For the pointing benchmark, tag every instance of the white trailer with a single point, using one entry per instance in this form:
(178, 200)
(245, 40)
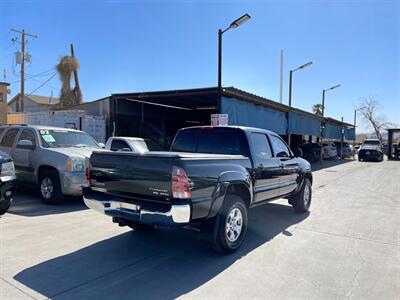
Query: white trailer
(74, 119)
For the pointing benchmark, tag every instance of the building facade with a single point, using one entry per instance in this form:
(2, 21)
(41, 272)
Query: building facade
(33, 103)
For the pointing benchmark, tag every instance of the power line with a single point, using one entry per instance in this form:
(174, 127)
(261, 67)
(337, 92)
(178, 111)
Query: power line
(55, 73)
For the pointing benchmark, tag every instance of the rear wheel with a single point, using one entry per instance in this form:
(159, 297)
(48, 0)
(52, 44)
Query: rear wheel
(302, 200)
(49, 187)
(231, 225)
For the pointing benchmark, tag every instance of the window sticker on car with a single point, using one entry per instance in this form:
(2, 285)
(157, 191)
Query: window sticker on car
(44, 131)
(48, 138)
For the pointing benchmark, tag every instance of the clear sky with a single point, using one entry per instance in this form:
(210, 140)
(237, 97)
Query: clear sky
(130, 46)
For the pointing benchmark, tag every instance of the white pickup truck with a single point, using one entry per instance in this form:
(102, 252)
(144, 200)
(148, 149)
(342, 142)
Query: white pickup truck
(131, 144)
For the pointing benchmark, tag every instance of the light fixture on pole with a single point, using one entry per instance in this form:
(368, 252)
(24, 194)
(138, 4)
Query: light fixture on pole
(323, 113)
(290, 90)
(234, 24)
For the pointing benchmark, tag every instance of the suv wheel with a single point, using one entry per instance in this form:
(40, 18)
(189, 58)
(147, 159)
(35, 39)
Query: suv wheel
(49, 187)
(231, 225)
(302, 200)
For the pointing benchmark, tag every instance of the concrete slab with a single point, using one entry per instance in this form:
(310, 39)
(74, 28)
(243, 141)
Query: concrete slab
(347, 247)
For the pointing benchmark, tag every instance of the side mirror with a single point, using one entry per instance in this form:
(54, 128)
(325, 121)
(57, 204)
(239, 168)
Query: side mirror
(101, 145)
(25, 144)
(297, 152)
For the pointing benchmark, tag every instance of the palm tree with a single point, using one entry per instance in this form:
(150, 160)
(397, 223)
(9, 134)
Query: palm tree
(317, 109)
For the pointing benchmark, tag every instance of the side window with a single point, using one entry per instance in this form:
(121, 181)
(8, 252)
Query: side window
(280, 148)
(117, 145)
(9, 137)
(28, 135)
(1, 131)
(185, 142)
(261, 145)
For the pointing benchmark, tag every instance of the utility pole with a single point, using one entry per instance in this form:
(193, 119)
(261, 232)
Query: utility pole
(20, 101)
(77, 88)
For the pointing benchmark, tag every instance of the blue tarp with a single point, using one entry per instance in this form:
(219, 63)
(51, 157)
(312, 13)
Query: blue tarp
(350, 133)
(249, 114)
(332, 131)
(303, 125)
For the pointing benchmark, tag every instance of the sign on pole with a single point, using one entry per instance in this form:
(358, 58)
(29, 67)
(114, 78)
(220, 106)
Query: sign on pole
(219, 119)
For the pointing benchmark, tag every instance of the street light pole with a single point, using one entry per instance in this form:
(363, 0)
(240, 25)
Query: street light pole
(219, 59)
(290, 93)
(234, 24)
(323, 119)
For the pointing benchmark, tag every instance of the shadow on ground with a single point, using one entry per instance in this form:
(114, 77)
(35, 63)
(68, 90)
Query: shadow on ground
(27, 203)
(165, 263)
(329, 163)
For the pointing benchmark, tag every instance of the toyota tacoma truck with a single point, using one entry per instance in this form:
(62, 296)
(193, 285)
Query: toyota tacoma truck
(208, 180)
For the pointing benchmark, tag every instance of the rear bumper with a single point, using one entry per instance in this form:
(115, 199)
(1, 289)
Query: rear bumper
(369, 154)
(170, 215)
(7, 188)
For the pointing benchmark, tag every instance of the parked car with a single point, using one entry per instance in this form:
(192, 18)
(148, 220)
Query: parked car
(330, 151)
(208, 180)
(311, 152)
(347, 152)
(7, 182)
(371, 149)
(132, 144)
(52, 158)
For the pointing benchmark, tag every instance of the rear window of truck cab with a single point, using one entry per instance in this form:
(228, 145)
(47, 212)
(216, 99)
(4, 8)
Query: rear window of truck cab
(208, 140)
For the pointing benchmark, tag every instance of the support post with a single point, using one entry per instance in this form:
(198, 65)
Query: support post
(341, 142)
(290, 106)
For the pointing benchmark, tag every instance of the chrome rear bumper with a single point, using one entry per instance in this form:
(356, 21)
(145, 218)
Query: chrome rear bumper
(176, 215)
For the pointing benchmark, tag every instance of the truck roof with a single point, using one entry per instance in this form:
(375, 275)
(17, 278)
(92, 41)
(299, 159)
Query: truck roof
(244, 128)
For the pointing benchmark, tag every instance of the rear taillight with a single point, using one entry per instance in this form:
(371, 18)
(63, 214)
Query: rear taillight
(180, 184)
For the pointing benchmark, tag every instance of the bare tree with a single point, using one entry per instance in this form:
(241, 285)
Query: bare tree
(369, 109)
(317, 109)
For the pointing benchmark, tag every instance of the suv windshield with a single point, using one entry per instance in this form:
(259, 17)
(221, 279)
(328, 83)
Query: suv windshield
(65, 138)
(375, 143)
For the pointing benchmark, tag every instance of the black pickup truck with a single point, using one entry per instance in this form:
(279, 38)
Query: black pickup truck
(208, 180)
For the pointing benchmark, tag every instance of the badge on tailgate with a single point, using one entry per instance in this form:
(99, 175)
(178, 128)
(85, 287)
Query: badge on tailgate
(159, 192)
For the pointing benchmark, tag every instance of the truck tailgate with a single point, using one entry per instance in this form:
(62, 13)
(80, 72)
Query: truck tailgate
(138, 176)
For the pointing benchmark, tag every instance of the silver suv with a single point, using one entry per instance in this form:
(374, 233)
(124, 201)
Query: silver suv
(52, 158)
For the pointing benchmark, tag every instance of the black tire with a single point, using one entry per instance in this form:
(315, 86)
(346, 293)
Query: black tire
(140, 227)
(302, 200)
(4, 207)
(228, 242)
(380, 158)
(49, 188)
(359, 159)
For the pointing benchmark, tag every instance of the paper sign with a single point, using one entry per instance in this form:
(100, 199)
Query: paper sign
(48, 138)
(219, 119)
